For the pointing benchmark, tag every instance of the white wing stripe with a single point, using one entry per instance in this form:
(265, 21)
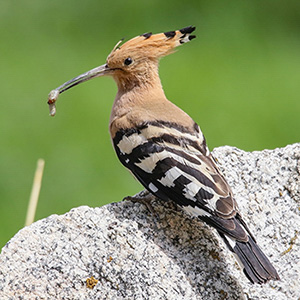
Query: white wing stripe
(128, 143)
(152, 187)
(191, 190)
(195, 211)
(170, 176)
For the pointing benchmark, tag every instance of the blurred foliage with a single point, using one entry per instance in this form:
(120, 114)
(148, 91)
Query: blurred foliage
(239, 80)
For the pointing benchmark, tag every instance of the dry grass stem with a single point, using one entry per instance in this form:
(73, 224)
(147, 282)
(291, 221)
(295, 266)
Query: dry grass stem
(35, 191)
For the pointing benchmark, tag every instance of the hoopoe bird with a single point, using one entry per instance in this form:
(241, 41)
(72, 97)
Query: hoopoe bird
(165, 149)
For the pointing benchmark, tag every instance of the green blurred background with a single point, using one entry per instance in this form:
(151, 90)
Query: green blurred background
(240, 80)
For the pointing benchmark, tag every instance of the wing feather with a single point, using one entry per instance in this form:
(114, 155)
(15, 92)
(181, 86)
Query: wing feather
(177, 168)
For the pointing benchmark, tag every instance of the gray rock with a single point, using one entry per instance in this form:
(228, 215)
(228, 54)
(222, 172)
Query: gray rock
(137, 255)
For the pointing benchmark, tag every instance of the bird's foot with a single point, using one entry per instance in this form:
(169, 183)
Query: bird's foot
(144, 197)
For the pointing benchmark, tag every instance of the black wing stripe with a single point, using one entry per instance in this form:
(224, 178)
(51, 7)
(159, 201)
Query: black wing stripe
(128, 132)
(148, 149)
(193, 159)
(162, 167)
(199, 176)
(171, 125)
(203, 194)
(143, 151)
(183, 142)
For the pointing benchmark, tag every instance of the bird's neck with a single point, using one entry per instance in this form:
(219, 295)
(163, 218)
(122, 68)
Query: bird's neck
(142, 99)
(137, 93)
(139, 87)
(144, 77)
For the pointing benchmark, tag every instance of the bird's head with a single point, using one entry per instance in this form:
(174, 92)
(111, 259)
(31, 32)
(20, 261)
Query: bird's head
(134, 62)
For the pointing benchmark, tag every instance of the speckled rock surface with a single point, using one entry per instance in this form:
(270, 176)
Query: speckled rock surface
(136, 255)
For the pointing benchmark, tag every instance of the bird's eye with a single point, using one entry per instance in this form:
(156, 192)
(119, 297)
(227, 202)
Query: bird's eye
(127, 61)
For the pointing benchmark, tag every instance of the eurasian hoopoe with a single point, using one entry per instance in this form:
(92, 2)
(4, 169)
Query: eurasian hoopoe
(165, 149)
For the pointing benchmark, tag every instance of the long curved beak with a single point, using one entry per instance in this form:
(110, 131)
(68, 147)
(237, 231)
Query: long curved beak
(53, 95)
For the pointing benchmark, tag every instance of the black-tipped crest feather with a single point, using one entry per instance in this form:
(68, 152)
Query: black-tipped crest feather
(188, 29)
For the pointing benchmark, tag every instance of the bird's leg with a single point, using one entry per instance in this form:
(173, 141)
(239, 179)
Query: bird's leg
(144, 197)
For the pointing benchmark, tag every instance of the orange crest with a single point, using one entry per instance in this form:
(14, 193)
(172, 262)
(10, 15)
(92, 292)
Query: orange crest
(151, 46)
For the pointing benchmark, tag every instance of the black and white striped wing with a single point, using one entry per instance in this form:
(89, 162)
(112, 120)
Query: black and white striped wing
(174, 164)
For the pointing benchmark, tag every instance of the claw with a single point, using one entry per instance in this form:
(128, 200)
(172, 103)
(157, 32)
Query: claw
(144, 197)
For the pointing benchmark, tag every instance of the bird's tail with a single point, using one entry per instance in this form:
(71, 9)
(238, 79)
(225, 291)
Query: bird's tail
(255, 264)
